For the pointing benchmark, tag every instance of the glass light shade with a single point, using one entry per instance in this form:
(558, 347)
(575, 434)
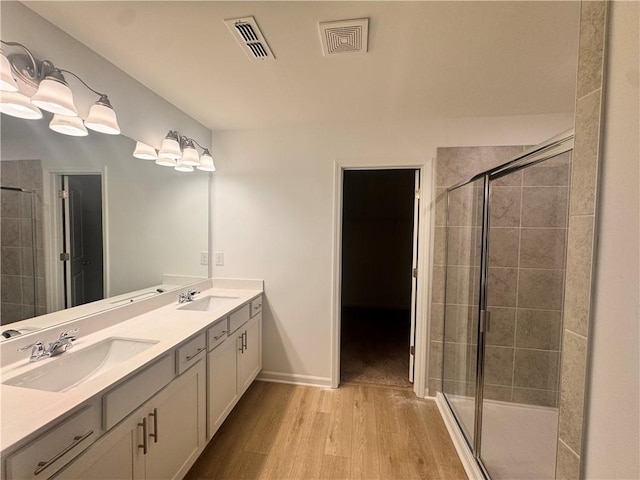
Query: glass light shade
(181, 167)
(68, 125)
(102, 119)
(190, 157)
(206, 163)
(7, 82)
(145, 152)
(55, 97)
(18, 105)
(170, 149)
(166, 161)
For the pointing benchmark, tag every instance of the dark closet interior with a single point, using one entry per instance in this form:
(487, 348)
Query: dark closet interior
(377, 250)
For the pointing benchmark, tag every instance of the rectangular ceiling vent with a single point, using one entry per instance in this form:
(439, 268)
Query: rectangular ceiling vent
(344, 36)
(246, 32)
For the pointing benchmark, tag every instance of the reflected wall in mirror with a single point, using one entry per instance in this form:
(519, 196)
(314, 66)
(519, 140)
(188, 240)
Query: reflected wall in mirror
(149, 223)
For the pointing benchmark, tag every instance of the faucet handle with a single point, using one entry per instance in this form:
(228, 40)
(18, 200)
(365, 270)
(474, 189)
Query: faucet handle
(35, 345)
(68, 334)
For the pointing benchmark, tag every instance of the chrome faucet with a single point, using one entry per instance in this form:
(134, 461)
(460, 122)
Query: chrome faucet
(187, 296)
(61, 345)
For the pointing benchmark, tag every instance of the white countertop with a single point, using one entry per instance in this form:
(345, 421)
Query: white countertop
(27, 411)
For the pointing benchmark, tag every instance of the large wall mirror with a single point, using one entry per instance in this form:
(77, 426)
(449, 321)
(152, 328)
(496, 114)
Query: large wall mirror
(86, 227)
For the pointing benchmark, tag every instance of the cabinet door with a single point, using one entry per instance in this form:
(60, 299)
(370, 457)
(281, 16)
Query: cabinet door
(177, 425)
(223, 391)
(115, 456)
(250, 353)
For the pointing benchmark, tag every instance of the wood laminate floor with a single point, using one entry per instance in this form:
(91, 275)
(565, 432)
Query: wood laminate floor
(280, 431)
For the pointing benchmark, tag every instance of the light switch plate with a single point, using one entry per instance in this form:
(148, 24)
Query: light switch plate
(204, 258)
(219, 259)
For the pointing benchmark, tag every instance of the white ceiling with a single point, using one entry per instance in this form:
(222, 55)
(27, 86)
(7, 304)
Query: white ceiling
(426, 59)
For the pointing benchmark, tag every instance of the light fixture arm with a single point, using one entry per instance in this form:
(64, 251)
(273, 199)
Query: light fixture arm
(101, 95)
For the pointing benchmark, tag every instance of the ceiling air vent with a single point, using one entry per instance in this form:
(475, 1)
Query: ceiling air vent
(344, 36)
(246, 32)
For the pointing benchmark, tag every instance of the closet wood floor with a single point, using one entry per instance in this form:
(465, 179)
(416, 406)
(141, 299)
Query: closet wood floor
(280, 431)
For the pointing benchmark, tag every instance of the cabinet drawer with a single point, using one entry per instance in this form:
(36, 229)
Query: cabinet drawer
(187, 354)
(125, 398)
(239, 318)
(256, 305)
(56, 447)
(218, 333)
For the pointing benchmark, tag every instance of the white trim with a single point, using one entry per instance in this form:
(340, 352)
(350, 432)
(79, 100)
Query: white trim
(294, 379)
(424, 257)
(428, 226)
(464, 453)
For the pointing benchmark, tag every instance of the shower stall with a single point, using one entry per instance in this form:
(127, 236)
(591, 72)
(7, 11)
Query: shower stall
(505, 250)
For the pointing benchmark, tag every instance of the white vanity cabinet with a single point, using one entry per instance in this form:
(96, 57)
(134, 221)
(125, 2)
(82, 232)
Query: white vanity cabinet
(233, 363)
(160, 440)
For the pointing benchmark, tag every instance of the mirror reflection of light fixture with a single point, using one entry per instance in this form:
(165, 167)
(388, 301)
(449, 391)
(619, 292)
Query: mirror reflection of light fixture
(68, 125)
(145, 152)
(206, 162)
(177, 151)
(52, 92)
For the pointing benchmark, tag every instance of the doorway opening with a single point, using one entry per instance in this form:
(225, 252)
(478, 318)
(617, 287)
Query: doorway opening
(82, 240)
(378, 276)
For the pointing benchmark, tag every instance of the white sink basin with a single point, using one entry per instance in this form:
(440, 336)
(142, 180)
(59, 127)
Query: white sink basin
(208, 303)
(64, 372)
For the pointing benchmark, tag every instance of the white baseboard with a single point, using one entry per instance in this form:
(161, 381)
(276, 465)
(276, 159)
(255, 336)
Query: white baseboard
(294, 379)
(466, 457)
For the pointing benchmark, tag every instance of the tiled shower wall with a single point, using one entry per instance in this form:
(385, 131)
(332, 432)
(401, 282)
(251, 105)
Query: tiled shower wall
(19, 299)
(528, 218)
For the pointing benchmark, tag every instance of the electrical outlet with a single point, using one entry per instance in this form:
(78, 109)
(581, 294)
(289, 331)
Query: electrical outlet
(204, 258)
(219, 259)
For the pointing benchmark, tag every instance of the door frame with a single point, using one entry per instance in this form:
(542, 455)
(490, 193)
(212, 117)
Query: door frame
(424, 253)
(54, 243)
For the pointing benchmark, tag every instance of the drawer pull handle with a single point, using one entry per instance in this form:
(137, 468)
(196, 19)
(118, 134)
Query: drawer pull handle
(191, 357)
(222, 334)
(255, 307)
(154, 435)
(143, 424)
(76, 440)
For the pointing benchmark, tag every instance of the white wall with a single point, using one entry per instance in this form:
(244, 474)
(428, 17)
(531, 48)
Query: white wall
(613, 410)
(272, 211)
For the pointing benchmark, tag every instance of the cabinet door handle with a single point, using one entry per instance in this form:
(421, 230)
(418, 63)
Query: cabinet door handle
(222, 334)
(154, 435)
(143, 424)
(190, 357)
(76, 440)
(244, 336)
(241, 349)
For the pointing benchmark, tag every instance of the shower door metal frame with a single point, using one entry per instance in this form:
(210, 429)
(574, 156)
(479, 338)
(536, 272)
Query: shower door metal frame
(551, 148)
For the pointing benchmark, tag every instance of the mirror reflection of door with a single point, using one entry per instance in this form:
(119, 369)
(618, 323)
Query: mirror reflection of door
(83, 239)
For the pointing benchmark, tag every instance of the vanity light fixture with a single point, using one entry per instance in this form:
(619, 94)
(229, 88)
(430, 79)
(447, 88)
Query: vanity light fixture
(68, 125)
(145, 152)
(177, 151)
(52, 92)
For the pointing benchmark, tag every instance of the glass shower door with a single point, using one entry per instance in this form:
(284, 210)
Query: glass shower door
(528, 219)
(463, 256)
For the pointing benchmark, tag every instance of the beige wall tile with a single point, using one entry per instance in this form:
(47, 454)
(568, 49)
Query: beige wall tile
(585, 155)
(435, 359)
(544, 206)
(441, 207)
(536, 369)
(456, 164)
(30, 174)
(435, 386)
(502, 327)
(504, 210)
(439, 257)
(436, 321)
(577, 300)
(458, 359)
(503, 247)
(540, 329)
(502, 287)
(9, 204)
(9, 174)
(544, 175)
(497, 392)
(498, 369)
(543, 247)
(437, 284)
(10, 312)
(461, 207)
(11, 288)
(461, 247)
(458, 326)
(540, 289)
(460, 289)
(26, 260)
(591, 48)
(572, 389)
(567, 464)
(511, 180)
(530, 396)
(10, 234)
(11, 261)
